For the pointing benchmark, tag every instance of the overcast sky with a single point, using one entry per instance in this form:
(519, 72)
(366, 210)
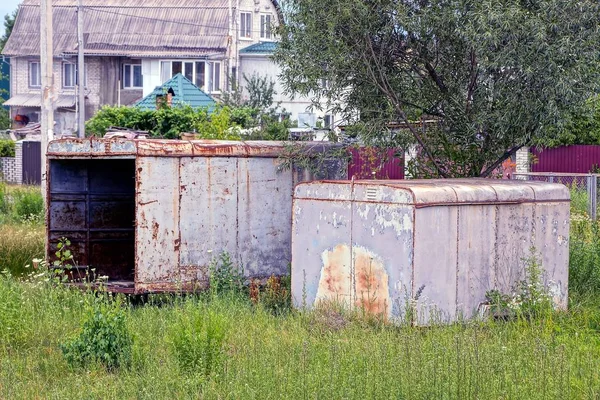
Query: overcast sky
(7, 7)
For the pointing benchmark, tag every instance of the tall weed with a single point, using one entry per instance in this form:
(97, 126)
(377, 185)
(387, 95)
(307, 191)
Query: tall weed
(197, 338)
(584, 259)
(19, 244)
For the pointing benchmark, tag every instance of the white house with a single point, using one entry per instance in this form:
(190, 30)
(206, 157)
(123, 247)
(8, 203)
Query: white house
(133, 46)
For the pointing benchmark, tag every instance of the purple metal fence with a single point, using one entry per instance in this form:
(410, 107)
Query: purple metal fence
(372, 163)
(574, 159)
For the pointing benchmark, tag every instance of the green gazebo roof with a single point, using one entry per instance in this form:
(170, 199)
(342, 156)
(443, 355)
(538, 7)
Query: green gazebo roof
(185, 93)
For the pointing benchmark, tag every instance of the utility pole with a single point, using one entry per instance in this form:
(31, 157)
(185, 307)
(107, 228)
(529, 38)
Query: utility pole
(46, 64)
(80, 72)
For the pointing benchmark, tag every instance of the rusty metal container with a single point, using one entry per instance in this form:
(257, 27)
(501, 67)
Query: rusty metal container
(429, 247)
(151, 214)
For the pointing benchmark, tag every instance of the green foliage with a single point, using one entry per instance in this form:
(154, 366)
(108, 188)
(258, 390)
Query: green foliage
(9, 23)
(124, 117)
(197, 338)
(167, 122)
(19, 244)
(7, 147)
(104, 338)
(581, 126)
(225, 277)
(261, 90)
(584, 260)
(491, 75)
(276, 296)
(5, 122)
(28, 204)
(243, 116)
(21, 204)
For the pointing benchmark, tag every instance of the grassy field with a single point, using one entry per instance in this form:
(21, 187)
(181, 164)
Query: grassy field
(65, 344)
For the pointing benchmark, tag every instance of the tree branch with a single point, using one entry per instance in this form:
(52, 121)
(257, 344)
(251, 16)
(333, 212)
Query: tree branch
(499, 161)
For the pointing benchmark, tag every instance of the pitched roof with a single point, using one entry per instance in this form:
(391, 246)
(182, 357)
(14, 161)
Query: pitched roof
(260, 48)
(182, 28)
(185, 93)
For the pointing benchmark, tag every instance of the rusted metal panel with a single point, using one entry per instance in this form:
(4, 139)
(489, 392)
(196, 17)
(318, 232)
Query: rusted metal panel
(208, 213)
(433, 248)
(157, 221)
(91, 202)
(92, 147)
(434, 269)
(321, 266)
(551, 229)
(475, 265)
(264, 215)
(190, 201)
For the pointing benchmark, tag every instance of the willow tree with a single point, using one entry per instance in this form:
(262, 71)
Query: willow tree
(493, 75)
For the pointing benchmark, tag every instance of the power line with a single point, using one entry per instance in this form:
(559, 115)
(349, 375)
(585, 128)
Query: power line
(164, 20)
(103, 9)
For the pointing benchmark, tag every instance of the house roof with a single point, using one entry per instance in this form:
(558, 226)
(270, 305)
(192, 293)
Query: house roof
(185, 93)
(35, 100)
(140, 28)
(260, 48)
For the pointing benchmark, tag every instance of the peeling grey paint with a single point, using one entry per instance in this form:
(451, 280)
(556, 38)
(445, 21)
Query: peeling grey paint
(453, 239)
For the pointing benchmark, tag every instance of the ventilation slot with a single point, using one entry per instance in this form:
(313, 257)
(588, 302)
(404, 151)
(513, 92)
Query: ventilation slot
(372, 194)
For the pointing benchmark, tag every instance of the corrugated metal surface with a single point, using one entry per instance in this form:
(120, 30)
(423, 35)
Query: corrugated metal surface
(32, 163)
(125, 30)
(574, 159)
(35, 100)
(193, 200)
(370, 163)
(440, 245)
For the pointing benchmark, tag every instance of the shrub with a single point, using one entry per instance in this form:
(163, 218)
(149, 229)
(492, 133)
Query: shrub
(197, 339)
(104, 338)
(225, 277)
(7, 148)
(28, 203)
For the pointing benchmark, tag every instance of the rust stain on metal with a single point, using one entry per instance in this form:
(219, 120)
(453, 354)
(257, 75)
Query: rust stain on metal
(372, 290)
(155, 228)
(371, 282)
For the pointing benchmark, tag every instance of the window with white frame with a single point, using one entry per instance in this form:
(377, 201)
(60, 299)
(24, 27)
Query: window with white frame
(328, 121)
(69, 75)
(132, 76)
(246, 25)
(265, 26)
(35, 74)
(193, 70)
(215, 77)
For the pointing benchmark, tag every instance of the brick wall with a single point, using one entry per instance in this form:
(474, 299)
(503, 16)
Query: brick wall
(522, 160)
(11, 168)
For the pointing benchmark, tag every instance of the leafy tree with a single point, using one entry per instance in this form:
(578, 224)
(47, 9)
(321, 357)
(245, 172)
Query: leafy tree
(261, 90)
(9, 23)
(582, 126)
(492, 75)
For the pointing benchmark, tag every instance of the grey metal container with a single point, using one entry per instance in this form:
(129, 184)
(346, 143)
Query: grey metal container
(434, 247)
(152, 214)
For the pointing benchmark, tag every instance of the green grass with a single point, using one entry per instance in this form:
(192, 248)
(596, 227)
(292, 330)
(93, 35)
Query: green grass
(296, 355)
(20, 203)
(218, 346)
(19, 244)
